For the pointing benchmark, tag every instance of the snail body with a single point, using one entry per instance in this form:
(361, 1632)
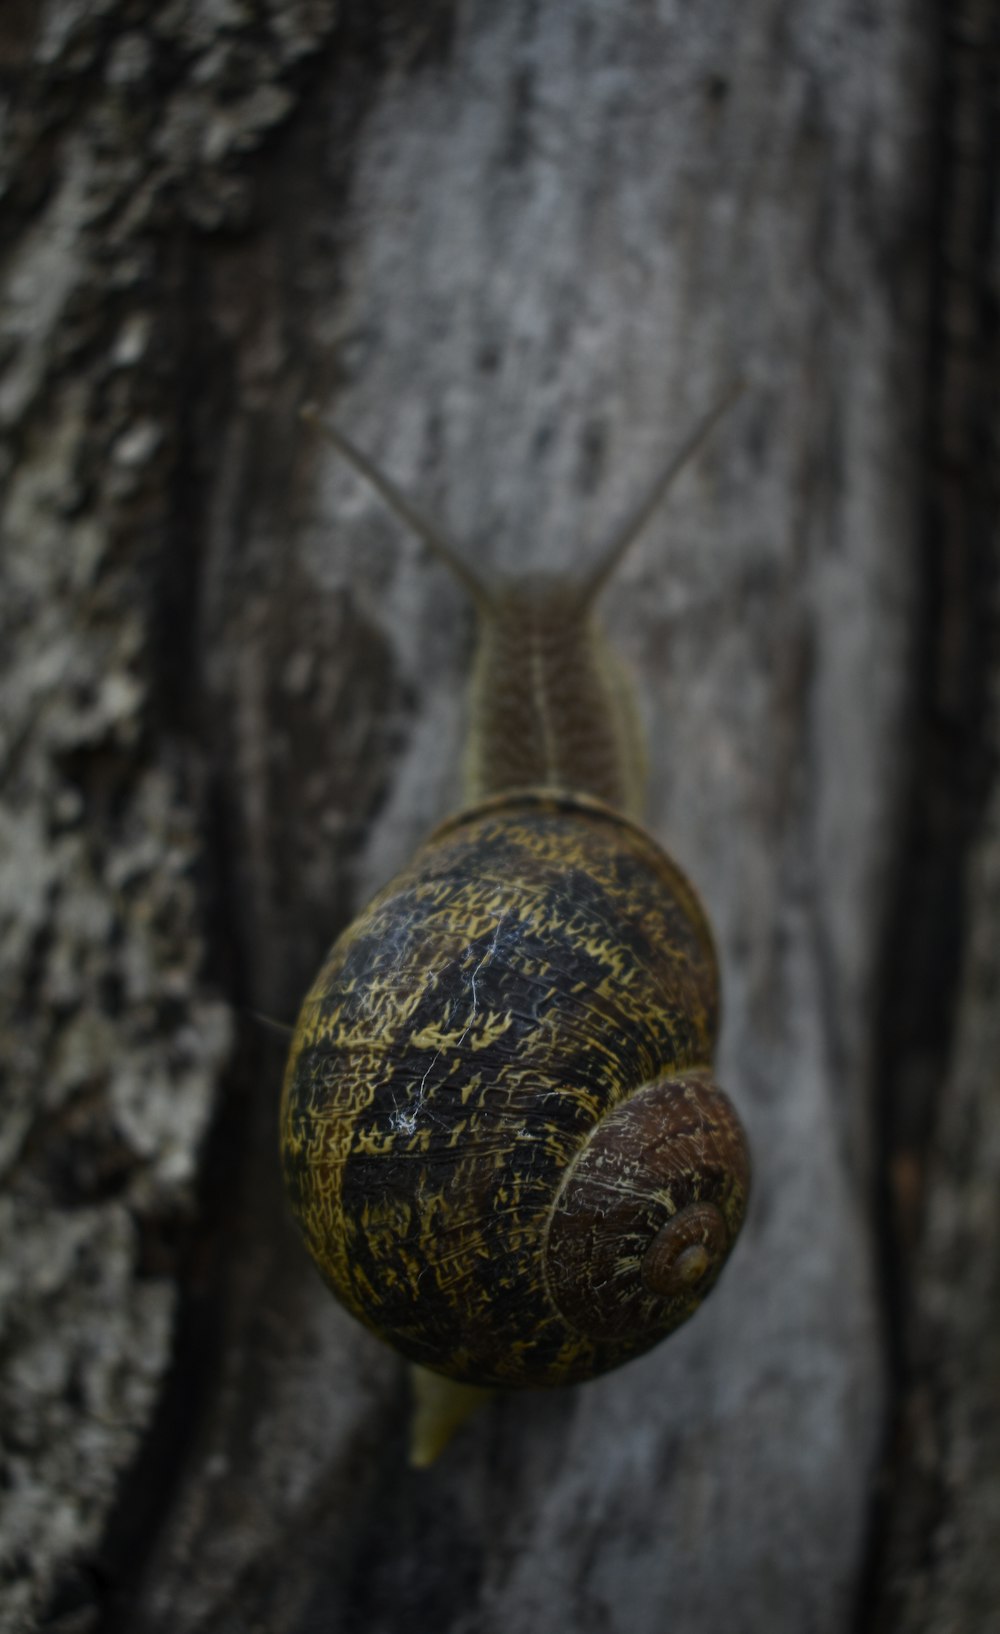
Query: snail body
(500, 1134)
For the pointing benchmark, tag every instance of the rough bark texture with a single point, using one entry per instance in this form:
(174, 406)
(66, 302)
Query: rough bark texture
(935, 1564)
(516, 250)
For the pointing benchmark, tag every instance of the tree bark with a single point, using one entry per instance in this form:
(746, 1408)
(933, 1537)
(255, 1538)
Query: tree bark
(516, 252)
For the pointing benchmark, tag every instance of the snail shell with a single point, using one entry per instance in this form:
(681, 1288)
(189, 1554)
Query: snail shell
(500, 1135)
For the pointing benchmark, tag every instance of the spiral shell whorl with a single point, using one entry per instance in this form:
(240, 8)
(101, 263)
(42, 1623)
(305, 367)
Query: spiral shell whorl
(648, 1211)
(500, 1004)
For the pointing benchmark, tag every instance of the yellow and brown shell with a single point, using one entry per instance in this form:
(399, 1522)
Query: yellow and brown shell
(500, 1136)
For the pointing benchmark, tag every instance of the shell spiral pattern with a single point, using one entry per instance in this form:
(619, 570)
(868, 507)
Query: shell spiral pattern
(499, 1132)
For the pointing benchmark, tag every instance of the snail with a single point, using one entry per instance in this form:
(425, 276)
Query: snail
(500, 1135)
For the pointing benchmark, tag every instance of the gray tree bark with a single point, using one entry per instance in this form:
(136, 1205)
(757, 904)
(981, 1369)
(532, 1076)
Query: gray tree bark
(515, 251)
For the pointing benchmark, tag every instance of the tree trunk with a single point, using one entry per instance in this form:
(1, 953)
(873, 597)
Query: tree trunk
(516, 252)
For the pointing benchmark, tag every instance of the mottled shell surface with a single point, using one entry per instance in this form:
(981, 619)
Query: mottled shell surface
(499, 1132)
